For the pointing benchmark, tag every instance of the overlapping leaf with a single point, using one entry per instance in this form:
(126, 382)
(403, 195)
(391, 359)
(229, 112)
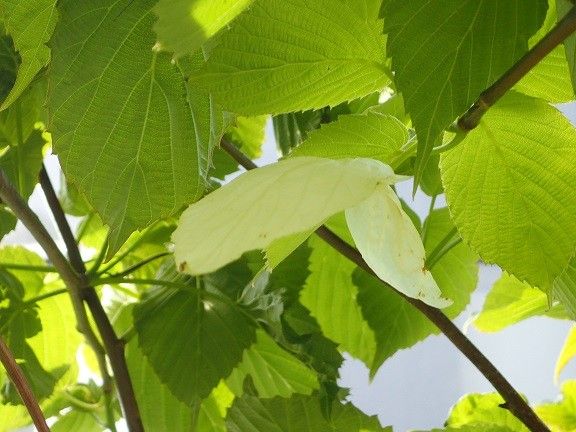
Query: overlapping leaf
(373, 135)
(445, 53)
(509, 189)
(274, 371)
(184, 25)
(328, 293)
(30, 23)
(282, 56)
(119, 117)
(395, 322)
(510, 301)
(297, 414)
(183, 332)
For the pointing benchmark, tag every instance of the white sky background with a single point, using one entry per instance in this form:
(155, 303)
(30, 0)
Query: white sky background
(416, 387)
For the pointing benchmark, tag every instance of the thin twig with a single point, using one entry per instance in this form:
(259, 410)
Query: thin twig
(19, 380)
(140, 264)
(565, 27)
(76, 283)
(83, 292)
(514, 402)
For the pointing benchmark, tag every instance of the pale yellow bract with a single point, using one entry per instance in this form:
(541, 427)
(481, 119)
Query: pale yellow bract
(297, 195)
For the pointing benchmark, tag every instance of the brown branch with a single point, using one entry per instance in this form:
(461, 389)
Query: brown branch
(79, 290)
(565, 27)
(78, 295)
(514, 402)
(114, 347)
(19, 380)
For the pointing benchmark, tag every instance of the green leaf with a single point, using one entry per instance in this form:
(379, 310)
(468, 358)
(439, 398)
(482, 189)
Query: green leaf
(184, 25)
(143, 161)
(563, 7)
(30, 23)
(395, 322)
(248, 133)
(291, 129)
(561, 416)
(7, 221)
(13, 417)
(161, 410)
(182, 333)
(483, 409)
(32, 281)
(22, 163)
(567, 354)
(274, 371)
(77, 421)
(379, 222)
(9, 62)
(510, 301)
(444, 56)
(297, 414)
(373, 135)
(285, 198)
(329, 293)
(289, 56)
(549, 79)
(516, 163)
(564, 288)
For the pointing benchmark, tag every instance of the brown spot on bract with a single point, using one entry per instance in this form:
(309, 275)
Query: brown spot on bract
(182, 266)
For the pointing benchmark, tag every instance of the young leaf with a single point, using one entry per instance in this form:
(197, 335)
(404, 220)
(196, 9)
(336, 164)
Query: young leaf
(510, 301)
(567, 354)
(182, 333)
(30, 23)
(297, 414)
(560, 416)
(482, 410)
(373, 135)
(274, 371)
(184, 25)
(284, 56)
(22, 163)
(444, 54)
(121, 124)
(517, 163)
(391, 245)
(564, 288)
(285, 198)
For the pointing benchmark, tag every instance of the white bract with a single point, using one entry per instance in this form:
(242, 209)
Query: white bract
(392, 247)
(297, 195)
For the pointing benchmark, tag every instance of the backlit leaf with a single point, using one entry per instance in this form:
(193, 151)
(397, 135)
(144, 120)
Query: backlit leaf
(274, 371)
(297, 414)
(510, 191)
(510, 301)
(121, 124)
(282, 56)
(184, 25)
(445, 54)
(30, 23)
(373, 135)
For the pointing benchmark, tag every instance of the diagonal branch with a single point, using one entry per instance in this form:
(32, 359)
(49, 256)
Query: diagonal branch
(77, 263)
(565, 27)
(21, 384)
(514, 402)
(79, 291)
